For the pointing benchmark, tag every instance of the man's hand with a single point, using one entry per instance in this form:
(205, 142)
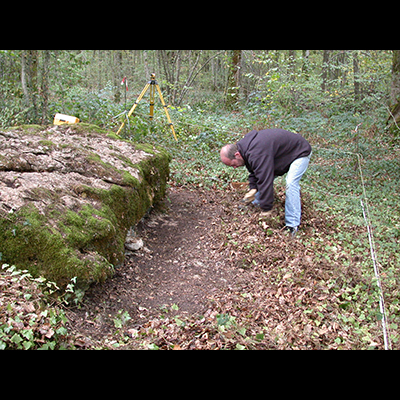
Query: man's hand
(250, 196)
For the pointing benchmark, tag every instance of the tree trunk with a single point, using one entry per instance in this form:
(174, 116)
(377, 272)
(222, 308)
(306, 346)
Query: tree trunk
(232, 95)
(292, 64)
(167, 58)
(393, 121)
(357, 83)
(33, 82)
(325, 70)
(177, 73)
(24, 67)
(45, 86)
(305, 68)
(29, 75)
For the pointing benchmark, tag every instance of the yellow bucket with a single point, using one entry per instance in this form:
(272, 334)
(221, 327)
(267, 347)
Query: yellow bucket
(61, 119)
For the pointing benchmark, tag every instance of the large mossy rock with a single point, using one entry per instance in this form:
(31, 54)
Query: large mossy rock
(69, 195)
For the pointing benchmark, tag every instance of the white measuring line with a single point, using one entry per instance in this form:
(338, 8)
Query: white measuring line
(378, 279)
(367, 218)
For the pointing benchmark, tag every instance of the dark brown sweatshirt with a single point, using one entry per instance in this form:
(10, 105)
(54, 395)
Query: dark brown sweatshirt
(267, 154)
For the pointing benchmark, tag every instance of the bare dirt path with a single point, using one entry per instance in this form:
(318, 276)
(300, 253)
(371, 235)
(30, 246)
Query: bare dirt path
(180, 266)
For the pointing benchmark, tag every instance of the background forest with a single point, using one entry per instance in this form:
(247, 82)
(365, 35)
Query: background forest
(35, 84)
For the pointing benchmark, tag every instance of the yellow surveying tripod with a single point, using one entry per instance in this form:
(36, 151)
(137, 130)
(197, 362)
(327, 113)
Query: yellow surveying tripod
(153, 85)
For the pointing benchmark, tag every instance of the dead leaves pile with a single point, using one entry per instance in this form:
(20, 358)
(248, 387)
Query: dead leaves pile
(27, 321)
(289, 294)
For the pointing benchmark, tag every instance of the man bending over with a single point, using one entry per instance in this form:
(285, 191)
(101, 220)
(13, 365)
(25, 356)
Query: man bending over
(267, 154)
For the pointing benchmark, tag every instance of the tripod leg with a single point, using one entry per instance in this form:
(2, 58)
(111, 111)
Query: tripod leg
(152, 100)
(120, 129)
(166, 111)
(134, 107)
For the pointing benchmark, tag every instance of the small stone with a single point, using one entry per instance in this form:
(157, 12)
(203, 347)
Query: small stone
(134, 244)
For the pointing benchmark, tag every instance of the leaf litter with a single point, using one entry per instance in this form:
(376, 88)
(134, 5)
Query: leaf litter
(213, 275)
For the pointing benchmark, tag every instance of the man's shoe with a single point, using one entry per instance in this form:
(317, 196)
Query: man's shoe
(292, 231)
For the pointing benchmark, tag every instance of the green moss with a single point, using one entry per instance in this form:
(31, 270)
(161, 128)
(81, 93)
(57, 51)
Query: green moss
(29, 129)
(94, 231)
(154, 168)
(148, 148)
(27, 240)
(129, 180)
(112, 135)
(47, 143)
(86, 226)
(127, 162)
(106, 169)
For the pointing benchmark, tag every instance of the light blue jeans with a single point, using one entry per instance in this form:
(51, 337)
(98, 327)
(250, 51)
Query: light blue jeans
(293, 201)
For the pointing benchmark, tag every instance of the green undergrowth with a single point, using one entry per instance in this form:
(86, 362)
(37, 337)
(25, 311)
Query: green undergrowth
(30, 319)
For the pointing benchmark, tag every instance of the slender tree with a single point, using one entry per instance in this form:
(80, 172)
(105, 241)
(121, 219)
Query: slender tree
(325, 70)
(357, 83)
(45, 85)
(394, 118)
(234, 65)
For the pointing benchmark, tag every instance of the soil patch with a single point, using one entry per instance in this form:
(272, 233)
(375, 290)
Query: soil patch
(179, 264)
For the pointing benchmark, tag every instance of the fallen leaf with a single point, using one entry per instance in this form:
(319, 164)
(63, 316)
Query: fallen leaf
(29, 308)
(49, 334)
(44, 329)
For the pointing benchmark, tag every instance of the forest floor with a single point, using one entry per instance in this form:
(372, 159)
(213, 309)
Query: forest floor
(212, 275)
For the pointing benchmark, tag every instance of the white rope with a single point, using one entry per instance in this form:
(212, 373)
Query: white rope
(378, 279)
(367, 218)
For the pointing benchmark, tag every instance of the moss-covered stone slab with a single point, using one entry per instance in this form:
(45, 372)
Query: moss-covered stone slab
(68, 197)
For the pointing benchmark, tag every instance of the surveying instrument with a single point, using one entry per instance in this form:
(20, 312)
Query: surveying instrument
(152, 85)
